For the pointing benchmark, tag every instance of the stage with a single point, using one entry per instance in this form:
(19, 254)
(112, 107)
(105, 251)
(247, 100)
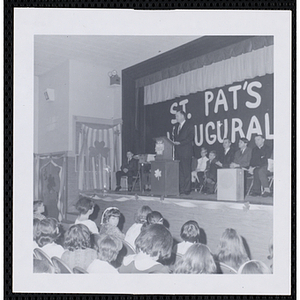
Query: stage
(253, 218)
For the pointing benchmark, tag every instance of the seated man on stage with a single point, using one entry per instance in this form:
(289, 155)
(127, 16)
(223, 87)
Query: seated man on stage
(227, 156)
(259, 167)
(242, 156)
(210, 173)
(198, 174)
(128, 169)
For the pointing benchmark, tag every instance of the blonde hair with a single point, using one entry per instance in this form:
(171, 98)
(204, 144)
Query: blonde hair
(254, 267)
(197, 260)
(231, 249)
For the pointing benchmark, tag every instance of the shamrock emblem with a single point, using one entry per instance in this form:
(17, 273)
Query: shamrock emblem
(157, 174)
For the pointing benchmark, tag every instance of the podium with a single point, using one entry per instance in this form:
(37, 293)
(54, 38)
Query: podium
(231, 184)
(164, 170)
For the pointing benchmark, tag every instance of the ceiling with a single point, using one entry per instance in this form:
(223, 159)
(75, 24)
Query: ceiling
(115, 52)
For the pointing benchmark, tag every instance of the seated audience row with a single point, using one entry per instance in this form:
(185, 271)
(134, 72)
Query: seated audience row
(102, 252)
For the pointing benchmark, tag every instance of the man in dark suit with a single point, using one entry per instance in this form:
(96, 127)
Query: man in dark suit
(129, 169)
(227, 156)
(183, 137)
(242, 156)
(211, 173)
(259, 167)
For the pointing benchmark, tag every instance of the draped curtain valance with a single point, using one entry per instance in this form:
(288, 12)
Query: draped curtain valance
(245, 66)
(233, 50)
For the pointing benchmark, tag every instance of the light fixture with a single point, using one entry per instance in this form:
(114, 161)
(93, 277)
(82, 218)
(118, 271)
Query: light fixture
(114, 78)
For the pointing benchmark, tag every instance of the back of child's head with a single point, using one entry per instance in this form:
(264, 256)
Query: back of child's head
(141, 215)
(155, 240)
(84, 204)
(36, 228)
(231, 248)
(110, 211)
(48, 231)
(254, 267)
(108, 247)
(42, 266)
(36, 205)
(78, 236)
(190, 232)
(155, 217)
(198, 259)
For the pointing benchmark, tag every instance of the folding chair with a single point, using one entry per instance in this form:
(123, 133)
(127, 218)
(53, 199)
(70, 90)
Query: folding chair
(60, 266)
(78, 270)
(137, 179)
(40, 254)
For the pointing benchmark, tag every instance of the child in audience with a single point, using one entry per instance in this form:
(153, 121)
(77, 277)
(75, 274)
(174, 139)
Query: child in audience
(78, 247)
(36, 224)
(108, 248)
(155, 217)
(85, 207)
(135, 229)
(254, 267)
(109, 222)
(197, 260)
(47, 235)
(231, 249)
(153, 243)
(190, 233)
(38, 210)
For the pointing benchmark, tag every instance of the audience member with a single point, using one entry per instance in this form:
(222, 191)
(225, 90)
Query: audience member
(109, 222)
(155, 217)
(227, 156)
(242, 156)
(140, 218)
(38, 210)
(129, 169)
(210, 173)
(47, 235)
(198, 173)
(85, 207)
(36, 225)
(197, 260)
(259, 167)
(254, 267)
(78, 247)
(190, 233)
(152, 244)
(270, 256)
(231, 249)
(108, 248)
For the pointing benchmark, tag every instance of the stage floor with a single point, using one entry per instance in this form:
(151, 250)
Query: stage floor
(199, 196)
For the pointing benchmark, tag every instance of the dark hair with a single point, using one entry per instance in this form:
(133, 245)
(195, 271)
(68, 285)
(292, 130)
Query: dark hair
(256, 135)
(84, 204)
(37, 204)
(244, 140)
(155, 240)
(154, 217)
(108, 247)
(183, 113)
(197, 260)
(78, 236)
(231, 249)
(48, 232)
(42, 266)
(110, 211)
(141, 215)
(190, 232)
(213, 152)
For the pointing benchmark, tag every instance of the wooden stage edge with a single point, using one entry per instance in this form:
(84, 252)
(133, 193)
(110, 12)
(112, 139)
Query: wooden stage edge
(193, 196)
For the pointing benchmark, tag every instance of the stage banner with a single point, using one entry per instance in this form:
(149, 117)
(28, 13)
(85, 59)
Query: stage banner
(241, 109)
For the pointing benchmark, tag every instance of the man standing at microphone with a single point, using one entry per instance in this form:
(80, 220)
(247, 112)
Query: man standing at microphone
(183, 140)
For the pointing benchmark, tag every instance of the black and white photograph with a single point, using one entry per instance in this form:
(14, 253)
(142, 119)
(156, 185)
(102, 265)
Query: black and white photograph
(152, 152)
